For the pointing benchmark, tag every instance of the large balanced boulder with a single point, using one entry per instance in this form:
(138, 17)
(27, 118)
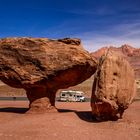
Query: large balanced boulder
(113, 87)
(42, 66)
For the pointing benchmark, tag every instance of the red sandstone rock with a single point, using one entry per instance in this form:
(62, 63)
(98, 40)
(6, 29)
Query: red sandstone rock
(42, 66)
(125, 49)
(132, 55)
(113, 87)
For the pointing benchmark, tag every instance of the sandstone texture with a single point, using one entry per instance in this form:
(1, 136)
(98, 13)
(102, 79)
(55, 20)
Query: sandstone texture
(42, 66)
(113, 87)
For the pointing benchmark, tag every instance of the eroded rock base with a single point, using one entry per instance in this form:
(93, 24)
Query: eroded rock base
(104, 111)
(41, 100)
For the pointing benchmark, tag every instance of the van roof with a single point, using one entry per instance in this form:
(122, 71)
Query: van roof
(72, 91)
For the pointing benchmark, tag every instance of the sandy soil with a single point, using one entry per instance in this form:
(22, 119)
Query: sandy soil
(72, 122)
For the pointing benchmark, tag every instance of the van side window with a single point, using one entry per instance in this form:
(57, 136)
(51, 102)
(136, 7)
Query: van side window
(63, 94)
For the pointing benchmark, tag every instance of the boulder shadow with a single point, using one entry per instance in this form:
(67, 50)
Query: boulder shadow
(83, 115)
(65, 110)
(86, 116)
(14, 110)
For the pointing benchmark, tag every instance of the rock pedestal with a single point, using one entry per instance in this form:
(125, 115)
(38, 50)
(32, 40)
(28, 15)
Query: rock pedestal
(42, 66)
(41, 99)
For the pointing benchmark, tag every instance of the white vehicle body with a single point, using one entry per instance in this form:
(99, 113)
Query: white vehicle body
(72, 96)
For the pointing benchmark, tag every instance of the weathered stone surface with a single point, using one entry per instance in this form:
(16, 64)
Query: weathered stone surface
(42, 66)
(113, 87)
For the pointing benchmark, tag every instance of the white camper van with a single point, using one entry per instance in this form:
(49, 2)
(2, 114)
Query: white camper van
(72, 96)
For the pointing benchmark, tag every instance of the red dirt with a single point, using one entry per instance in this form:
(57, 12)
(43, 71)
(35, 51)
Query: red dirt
(73, 122)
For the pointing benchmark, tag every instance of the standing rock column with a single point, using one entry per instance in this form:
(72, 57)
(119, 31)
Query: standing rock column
(42, 66)
(113, 87)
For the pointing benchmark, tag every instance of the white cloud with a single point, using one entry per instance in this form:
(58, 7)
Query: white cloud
(101, 41)
(115, 36)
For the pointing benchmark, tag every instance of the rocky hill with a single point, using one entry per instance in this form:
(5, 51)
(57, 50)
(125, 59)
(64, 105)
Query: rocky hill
(132, 55)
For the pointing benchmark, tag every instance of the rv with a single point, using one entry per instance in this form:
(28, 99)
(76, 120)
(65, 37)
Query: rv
(72, 96)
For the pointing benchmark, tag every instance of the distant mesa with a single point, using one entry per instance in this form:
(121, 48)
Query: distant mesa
(125, 49)
(132, 55)
(42, 66)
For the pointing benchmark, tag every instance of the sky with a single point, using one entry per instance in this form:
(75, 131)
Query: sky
(98, 23)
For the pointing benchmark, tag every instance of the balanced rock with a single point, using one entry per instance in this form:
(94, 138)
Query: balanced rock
(113, 87)
(42, 66)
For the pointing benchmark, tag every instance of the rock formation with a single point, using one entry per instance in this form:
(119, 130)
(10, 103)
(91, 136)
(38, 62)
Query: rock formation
(113, 87)
(125, 49)
(131, 54)
(42, 66)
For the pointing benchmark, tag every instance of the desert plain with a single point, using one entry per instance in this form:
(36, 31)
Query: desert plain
(73, 121)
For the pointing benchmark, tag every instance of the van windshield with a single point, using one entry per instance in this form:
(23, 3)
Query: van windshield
(78, 96)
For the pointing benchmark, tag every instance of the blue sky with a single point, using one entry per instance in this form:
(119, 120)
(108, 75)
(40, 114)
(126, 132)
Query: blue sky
(98, 23)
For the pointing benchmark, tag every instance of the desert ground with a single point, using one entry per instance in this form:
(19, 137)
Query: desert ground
(72, 122)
